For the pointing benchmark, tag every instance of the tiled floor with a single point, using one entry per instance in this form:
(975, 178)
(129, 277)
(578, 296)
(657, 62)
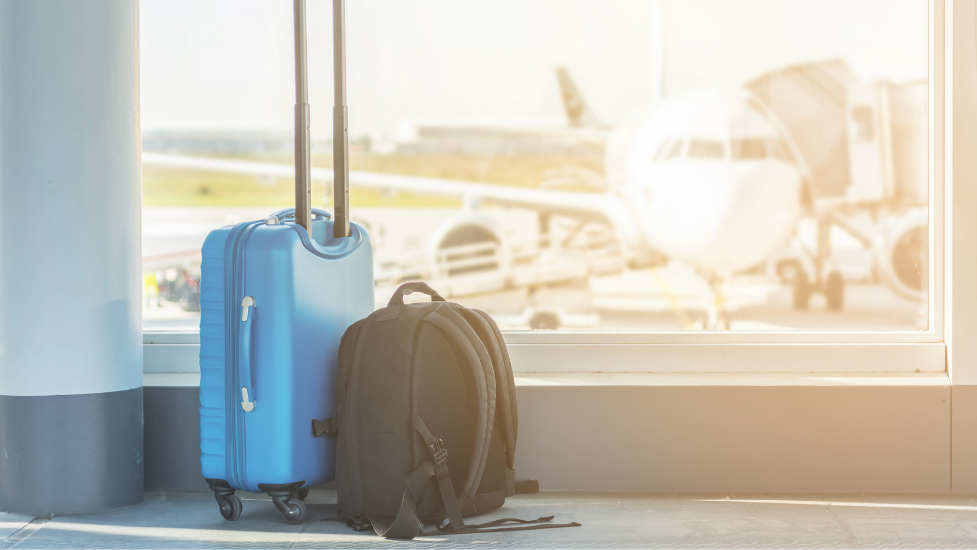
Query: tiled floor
(191, 520)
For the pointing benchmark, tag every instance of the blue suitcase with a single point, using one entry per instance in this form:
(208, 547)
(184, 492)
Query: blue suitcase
(274, 304)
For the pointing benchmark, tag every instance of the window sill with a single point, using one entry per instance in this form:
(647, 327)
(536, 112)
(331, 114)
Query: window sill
(178, 353)
(613, 380)
(711, 379)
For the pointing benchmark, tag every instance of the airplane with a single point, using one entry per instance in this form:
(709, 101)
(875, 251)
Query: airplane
(580, 133)
(707, 179)
(710, 179)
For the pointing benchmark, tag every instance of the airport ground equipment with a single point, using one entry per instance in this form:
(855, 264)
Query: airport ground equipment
(276, 297)
(427, 420)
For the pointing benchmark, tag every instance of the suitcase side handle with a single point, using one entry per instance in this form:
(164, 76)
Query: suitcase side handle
(248, 400)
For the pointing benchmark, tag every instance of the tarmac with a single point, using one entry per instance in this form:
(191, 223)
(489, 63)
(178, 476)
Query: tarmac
(608, 520)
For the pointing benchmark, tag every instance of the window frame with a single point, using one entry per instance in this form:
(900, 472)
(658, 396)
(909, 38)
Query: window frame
(788, 351)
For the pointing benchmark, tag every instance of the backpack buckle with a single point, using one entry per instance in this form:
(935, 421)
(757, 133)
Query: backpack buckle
(329, 426)
(438, 451)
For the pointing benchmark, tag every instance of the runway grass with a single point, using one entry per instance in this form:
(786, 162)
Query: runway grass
(175, 187)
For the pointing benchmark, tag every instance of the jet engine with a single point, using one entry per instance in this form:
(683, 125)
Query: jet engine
(468, 255)
(903, 256)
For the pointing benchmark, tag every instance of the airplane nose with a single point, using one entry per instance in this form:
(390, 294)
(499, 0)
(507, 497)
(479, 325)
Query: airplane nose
(761, 215)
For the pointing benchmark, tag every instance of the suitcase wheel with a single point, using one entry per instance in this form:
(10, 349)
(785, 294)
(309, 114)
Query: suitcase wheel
(287, 498)
(296, 511)
(230, 506)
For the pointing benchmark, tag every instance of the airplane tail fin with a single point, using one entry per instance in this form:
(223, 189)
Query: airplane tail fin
(578, 112)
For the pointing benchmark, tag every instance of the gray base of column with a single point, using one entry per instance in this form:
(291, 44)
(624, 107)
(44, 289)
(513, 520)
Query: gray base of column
(173, 438)
(71, 454)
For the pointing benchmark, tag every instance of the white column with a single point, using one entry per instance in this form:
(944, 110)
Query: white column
(70, 277)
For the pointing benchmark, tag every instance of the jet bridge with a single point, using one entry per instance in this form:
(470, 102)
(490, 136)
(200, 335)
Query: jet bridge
(865, 146)
(861, 142)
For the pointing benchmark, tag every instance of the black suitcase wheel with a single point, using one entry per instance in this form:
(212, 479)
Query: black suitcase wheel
(296, 511)
(230, 506)
(286, 498)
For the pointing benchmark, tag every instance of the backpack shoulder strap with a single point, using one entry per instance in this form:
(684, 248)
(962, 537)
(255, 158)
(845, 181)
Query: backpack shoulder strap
(508, 374)
(503, 375)
(458, 331)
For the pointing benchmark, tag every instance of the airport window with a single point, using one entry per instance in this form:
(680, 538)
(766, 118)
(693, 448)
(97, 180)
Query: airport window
(706, 149)
(500, 151)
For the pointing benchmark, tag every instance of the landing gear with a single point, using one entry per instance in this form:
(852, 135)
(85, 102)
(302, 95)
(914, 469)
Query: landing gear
(833, 288)
(802, 289)
(719, 322)
(716, 316)
(788, 270)
(834, 291)
(832, 285)
(544, 321)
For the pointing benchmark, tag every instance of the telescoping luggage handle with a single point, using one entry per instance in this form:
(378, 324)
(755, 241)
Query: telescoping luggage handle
(303, 162)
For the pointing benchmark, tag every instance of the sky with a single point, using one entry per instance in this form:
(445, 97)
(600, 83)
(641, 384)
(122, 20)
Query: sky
(228, 64)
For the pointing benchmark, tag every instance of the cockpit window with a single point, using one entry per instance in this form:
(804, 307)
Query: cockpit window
(779, 150)
(752, 148)
(675, 151)
(661, 150)
(706, 149)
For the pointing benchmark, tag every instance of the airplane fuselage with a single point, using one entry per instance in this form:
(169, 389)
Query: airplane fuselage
(710, 181)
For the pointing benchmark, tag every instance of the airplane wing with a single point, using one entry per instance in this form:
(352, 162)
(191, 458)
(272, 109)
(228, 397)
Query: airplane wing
(595, 206)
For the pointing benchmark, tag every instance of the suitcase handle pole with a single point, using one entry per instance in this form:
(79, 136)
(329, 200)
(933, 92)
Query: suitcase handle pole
(303, 161)
(340, 123)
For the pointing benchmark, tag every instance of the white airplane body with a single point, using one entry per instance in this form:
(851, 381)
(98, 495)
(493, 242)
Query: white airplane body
(711, 181)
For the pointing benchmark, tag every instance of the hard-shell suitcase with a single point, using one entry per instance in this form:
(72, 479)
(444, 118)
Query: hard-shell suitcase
(276, 297)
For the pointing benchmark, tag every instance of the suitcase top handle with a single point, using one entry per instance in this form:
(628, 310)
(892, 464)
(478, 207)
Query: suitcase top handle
(408, 288)
(286, 213)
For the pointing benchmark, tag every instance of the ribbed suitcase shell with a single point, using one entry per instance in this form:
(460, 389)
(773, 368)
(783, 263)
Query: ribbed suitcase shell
(306, 295)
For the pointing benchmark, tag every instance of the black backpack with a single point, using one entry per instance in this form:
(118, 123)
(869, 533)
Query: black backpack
(426, 419)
